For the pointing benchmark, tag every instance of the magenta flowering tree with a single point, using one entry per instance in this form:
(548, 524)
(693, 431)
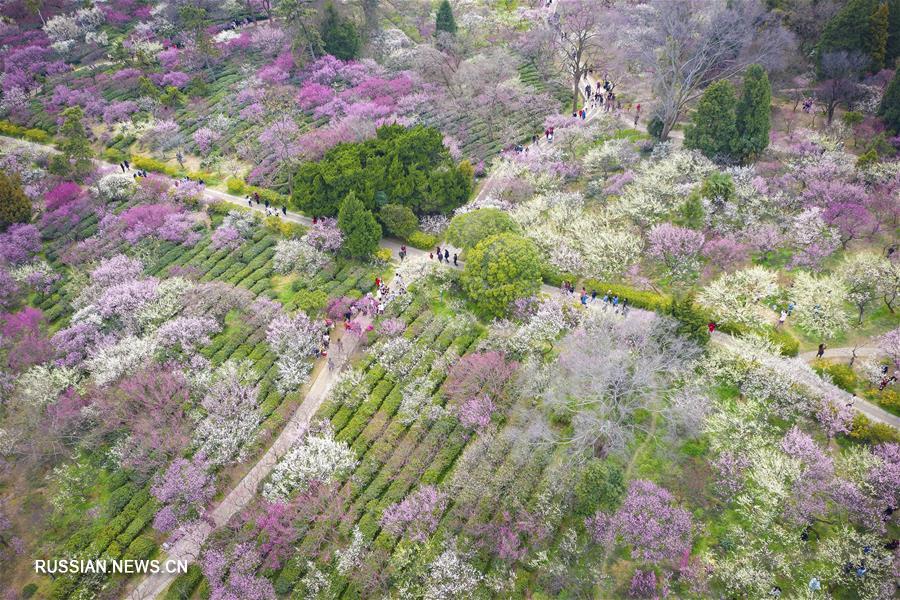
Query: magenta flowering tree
(25, 339)
(476, 412)
(890, 343)
(232, 575)
(277, 532)
(658, 531)
(324, 235)
(677, 248)
(64, 206)
(834, 416)
(391, 328)
(479, 375)
(74, 343)
(643, 585)
(204, 138)
(851, 220)
(184, 490)
(145, 220)
(510, 535)
(811, 491)
(148, 408)
(416, 516)
(338, 307)
(730, 468)
(20, 243)
(724, 253)
(225, 237)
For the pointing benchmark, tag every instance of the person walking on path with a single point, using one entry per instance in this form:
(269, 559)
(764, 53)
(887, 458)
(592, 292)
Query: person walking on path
(781, 319)
(446, 256)
(593, 296)
(821, 351)
(711, 326)
(455, 259)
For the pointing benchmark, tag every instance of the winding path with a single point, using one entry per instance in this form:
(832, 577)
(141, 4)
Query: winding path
(188, 547)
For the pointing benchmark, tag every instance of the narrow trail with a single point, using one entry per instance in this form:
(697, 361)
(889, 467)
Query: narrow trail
(188, 547)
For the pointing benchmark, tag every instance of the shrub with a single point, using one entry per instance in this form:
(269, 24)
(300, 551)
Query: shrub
(235, 186)
(398, 220)
(29, 590)
(141, 548)
(151, 164)
(784, 340)
(422, 240)
(842, 375)
(113, 155)
(601, 487)
(383, 255)
(184, 585)
(501, 269)
(864, 430)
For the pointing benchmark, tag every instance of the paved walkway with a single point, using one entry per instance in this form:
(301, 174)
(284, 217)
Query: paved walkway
(189, 546)
(847, 352)
(812, 380)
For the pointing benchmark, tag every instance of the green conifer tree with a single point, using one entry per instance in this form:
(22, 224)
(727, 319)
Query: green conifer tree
(889, 111)
(713, 128)
(74, 159)
(753, 114)
(444, 20)
(339, 35)
(361, 231)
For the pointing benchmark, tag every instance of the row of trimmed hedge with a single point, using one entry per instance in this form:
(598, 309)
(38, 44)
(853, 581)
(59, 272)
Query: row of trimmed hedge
(688, 313)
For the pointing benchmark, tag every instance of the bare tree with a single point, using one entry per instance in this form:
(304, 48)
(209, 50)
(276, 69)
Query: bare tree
(688, 44)
(610, 368)
(840, 80)
(577, 24)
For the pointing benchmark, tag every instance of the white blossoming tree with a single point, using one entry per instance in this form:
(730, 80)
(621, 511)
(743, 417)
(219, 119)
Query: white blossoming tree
(865, 275)
(737, 297)
(318, 457)
(820, 304)
(295, 340)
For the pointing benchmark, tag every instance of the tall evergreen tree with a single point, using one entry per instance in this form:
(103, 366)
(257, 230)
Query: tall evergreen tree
(75, 155)
(892, 52)
(889, 111)
(361, 231)
(879, 37)
(339, 35)
(713, 128)
(444, 20)
(753, 114)
(15, 207)
(851, 29)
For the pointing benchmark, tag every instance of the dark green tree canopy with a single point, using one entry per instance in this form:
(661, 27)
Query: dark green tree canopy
(753, 114)
(15, 206)
(889, 111)
(406, 166)
(713, 127)
(444, 20)
(398, 220)
(339, 35)
(871, 27)
(361, 231)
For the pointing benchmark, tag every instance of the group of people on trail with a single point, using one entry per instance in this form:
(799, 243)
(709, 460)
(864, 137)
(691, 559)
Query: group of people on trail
(444, 256)
(270, 212)
(126, 166)
(609, 300)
